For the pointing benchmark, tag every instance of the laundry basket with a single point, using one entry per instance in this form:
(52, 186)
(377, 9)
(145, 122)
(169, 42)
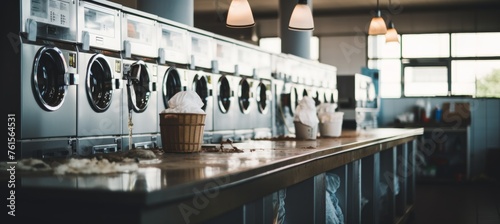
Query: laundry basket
(181, 132)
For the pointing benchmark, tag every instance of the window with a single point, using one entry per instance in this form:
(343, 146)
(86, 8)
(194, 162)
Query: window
(390, 78)
(476, 77)
(426, 81)
(386, 58)
(475, 44)
(438, 64)
(378, 48)
(426, 45)
(273, 44)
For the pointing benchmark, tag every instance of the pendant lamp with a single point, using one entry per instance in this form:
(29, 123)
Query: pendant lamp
(301, 18)
(377, 25)
(392, 34)
(239, 15)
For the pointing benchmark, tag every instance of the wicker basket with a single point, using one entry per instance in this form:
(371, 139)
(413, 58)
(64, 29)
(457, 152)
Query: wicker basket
(182, 132)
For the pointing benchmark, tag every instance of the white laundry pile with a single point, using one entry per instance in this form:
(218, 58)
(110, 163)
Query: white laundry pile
(305, 112)
(326, 112)
(330, 121)
(185, 102)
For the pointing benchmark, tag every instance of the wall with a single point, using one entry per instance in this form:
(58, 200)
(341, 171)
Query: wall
(485, 124)
(347, 53)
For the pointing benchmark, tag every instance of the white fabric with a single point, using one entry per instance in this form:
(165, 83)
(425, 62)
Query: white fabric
(185, 102)
(326, 113)
(306, 112)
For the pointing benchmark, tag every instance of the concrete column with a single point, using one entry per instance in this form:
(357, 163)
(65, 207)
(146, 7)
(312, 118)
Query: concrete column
(293, 42)
(181, 11)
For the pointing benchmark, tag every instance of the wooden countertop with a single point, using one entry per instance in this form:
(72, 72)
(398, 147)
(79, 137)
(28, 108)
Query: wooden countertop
(263, 167)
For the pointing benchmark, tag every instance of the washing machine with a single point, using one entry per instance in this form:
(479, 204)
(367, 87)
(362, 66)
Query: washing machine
(199, 76)
(139, 58)
(326, 92)
(295, 81)
(45, 83)
(286, 95)
(173, 61)
(244, 81)
(330, 74)
(99, 114)
(236, 102)
(313, 83)
(264, 101)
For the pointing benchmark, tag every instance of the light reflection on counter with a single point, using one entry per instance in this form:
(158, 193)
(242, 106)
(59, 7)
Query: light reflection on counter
(147, 179)
(177, 170)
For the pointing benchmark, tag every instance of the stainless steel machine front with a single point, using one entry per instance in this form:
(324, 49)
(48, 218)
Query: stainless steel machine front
(47, 77)
(139, 58)
(100, 102)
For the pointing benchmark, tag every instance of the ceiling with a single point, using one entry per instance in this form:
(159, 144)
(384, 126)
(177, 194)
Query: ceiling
(270, 7)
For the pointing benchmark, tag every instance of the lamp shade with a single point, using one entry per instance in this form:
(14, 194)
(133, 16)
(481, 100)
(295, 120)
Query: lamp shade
(377, 25)
(301, 18)
(239, 15)
(392, 34)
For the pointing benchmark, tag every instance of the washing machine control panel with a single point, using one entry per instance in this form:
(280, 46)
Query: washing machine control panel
(54, 19)
(98, 26)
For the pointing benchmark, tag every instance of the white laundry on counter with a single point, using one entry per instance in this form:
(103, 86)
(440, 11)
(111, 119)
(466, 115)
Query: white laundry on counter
(305, 112)
(326, 113)
(185, 102)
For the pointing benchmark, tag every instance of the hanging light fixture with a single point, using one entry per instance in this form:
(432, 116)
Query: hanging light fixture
(377, 25)
(392, 34)
(239, 15)
(301, 18)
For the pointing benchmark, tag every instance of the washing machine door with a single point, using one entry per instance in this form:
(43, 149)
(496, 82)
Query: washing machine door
(326, 95)
(294, 100)
(50, 78)
(332, 98)
(200, 86)
(171, 85)
(224, 94)
(244, 95)
(263, 96)
(139, 87)
(99, 83)
(316, 98)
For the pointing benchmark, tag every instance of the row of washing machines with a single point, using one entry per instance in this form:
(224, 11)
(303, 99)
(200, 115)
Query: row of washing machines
(94, 76)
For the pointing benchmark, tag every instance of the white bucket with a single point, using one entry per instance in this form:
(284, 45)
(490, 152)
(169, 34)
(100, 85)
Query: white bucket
(332, 127)
(303, 131)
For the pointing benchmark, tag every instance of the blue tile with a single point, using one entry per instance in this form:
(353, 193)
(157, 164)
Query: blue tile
(492, 136)
(493, 109)
(478, 109)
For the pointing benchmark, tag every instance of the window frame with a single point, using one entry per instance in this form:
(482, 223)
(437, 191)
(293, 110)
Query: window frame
(431, 61)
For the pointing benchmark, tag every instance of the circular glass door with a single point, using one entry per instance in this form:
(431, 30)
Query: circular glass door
(262, 98)
(49, 78)
(294, 100)
(139, 86)
(99, 83)
(224, 94)
(244, 95)
(200, 86)
(316, 98)
(171, 85)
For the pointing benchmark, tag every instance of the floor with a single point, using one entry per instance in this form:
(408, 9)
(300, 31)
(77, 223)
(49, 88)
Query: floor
(457, 203)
